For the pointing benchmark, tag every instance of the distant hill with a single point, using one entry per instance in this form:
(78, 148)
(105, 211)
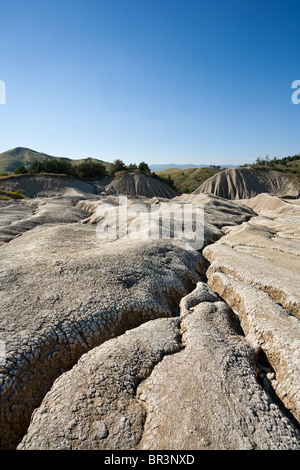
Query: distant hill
(14, 158)
(176, 166)
(189, 179)
(179, 166)
(290, 165)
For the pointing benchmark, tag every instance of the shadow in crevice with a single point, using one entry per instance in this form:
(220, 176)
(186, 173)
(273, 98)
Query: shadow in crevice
(265, 370)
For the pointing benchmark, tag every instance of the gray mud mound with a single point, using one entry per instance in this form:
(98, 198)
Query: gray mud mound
(139, 184)
(217, 213)
(21, 215)
(245, 183)
(50, 185)
(129, 183)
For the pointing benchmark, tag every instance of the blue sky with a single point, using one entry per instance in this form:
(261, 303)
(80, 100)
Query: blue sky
(164, 81)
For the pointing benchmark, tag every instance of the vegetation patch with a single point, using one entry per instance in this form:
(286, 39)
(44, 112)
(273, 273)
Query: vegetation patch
(8, 195)
(289, 165)
(188, 180)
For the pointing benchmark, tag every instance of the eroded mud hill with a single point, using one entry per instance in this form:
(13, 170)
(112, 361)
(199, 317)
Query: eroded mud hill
(244, 183)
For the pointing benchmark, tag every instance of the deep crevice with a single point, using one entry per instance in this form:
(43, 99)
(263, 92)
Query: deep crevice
(129, 319)
(163, 354)
(234, 316)
(265, 369)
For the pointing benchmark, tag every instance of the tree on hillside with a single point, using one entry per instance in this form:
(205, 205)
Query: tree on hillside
(89, 169)
(51, 166)
(165, 179)
(132, 166)
(144, 168)
(21, 170)
(117, 165)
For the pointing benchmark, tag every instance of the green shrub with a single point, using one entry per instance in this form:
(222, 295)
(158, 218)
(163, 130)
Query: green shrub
(144, 168)
(89, 169)
(117, 166)
(18, 194)
(54, 166)
(20, 171)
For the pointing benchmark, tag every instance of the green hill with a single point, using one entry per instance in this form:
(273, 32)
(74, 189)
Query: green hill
(289, 165)
(188, 180)
(12, 159)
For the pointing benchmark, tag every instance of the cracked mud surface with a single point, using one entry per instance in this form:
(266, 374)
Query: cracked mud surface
(102, 410)
(52, 319)
(207, 396)
(184, 383)
(88, 349)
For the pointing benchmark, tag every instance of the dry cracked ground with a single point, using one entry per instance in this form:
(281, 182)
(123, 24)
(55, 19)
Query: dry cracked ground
(132, 343)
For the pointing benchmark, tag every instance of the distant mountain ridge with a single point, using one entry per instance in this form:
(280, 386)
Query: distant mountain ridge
(14, 158)
(178, 166)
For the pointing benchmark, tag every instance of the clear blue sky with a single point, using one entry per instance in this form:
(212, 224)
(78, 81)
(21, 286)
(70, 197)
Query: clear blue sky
(182, 81)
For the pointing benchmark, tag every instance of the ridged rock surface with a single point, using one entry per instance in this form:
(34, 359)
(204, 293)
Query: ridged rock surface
(255, 268)
(131, 343)
(245, 183)
(68, 292)
(135, 183)
(208, 397)
(48, 185)
(19, 216)
(188, 383)
(217, 213)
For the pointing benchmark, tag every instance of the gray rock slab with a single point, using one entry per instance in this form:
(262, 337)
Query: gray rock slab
(63, 291)
(170, 384)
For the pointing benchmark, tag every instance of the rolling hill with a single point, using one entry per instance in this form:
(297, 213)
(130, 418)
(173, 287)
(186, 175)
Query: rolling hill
(189, 179)
(290, 165)
(178, 166)
(12, 159)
